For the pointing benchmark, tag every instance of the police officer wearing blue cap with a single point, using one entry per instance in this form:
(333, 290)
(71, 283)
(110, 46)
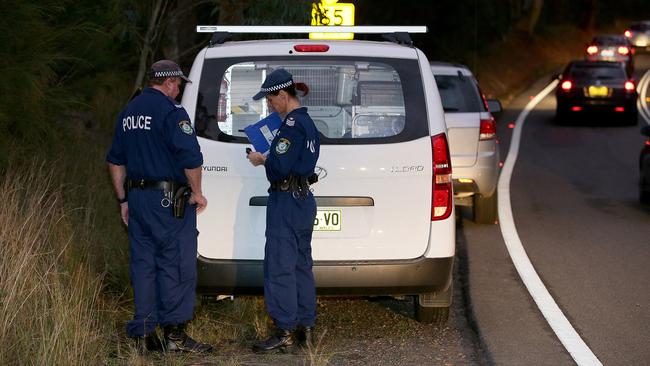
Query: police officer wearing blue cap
(289, 289)
(155, 167)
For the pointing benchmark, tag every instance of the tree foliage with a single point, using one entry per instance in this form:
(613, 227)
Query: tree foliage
(65, 55)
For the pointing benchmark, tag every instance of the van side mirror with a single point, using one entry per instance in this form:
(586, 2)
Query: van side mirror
(645, 130)
(494, 106)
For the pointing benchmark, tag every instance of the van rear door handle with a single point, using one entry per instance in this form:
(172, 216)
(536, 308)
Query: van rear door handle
(324, 201)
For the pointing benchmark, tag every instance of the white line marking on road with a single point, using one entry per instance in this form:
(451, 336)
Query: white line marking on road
(580, 352)
(642, 102)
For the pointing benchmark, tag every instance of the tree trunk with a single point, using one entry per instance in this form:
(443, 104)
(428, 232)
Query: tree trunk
(535, 12)
(231, 12)
(146, 44)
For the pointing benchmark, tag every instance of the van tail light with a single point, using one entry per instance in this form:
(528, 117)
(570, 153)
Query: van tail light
(623, 50)
(627, 33)
(488, 130)
(629, 86)
(441, 199)
(566, 85)
(592, 50)
(311, 48)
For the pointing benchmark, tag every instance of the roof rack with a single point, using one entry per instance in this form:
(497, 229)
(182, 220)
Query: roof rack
(397, 34)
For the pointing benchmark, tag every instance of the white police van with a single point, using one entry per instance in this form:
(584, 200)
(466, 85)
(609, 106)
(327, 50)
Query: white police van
(385, 222)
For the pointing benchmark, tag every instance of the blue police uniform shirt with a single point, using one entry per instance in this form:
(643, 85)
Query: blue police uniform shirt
(154, 139)
(295, 148)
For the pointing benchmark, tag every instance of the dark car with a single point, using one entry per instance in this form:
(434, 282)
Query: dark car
(598, 86)
(644, 169)
(611, 47)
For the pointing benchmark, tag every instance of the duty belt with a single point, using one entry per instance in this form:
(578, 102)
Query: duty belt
(175, 194)
(295, 184)
(163, 185)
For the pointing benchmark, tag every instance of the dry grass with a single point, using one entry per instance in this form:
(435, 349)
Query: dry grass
(50, 306)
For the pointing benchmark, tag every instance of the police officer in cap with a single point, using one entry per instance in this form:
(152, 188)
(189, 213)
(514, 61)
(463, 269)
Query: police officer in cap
(155, 167)
(289, 289)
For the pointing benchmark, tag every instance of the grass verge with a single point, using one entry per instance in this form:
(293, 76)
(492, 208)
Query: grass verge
(51, 307)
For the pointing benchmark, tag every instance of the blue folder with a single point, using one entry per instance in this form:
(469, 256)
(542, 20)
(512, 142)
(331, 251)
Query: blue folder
(261, 133)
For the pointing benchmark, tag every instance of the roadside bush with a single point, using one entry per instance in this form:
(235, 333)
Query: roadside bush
(50, 302)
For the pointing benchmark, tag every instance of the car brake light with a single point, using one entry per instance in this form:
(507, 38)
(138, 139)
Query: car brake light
(311, 47)
(567, 85)
(576, 108)
(647, 142)
(488, 129)
(623, 50)
(619, 109)
(441, 198)
(629, 86)
(628, 34)
(592, 50)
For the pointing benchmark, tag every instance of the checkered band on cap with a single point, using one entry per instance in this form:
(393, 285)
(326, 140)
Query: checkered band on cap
(276, 87)
(164, 74)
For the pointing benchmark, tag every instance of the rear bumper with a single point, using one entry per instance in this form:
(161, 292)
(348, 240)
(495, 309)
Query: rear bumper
(605, 104)
(484, 174)
(401, 277)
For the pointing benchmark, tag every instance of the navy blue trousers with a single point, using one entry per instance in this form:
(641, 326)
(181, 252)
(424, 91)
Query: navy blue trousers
(289, 289)
(162, 263)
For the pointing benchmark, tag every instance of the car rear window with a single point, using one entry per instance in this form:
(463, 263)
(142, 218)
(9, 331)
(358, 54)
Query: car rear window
(609, 40)
(587, 71)
(351, 100)
(640, 27)
(459, 94)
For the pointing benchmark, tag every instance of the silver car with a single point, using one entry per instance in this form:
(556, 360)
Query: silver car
(472, 139)
(639, 34)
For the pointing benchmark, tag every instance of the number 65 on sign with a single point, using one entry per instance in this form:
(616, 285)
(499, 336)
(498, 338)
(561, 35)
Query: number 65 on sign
(329, 13)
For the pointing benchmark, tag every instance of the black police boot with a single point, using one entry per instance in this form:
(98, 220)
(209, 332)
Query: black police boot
(305, 337)
(282, 341)
(148, 343)
(176, 340)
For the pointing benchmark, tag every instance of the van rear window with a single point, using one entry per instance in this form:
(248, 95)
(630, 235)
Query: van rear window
(351, 100)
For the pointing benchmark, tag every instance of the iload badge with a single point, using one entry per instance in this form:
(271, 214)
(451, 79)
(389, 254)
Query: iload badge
(186, 127)
(282, 146)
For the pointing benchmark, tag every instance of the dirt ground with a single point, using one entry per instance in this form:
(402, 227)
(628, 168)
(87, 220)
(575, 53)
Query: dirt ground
(350, 331)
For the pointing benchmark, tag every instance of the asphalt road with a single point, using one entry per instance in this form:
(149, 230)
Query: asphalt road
(575, 204)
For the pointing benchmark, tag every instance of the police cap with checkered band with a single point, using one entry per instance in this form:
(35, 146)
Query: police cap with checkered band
(276, 80)
(166, 69)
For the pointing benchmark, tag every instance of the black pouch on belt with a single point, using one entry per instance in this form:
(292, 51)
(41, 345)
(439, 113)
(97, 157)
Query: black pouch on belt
(181, 195)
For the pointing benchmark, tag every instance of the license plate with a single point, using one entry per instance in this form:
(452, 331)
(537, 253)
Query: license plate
(327, 220)
(598, 91)
(607, 53)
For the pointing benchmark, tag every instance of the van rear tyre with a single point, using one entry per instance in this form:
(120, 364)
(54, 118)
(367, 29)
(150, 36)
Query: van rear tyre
(644, 197)
(485, 208)
(437, 316)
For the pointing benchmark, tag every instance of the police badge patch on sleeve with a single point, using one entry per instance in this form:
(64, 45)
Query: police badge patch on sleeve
(186, 127)
(282, 146)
